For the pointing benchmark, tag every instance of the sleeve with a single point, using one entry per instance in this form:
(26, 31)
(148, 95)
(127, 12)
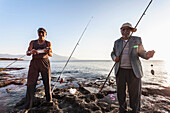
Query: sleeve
(113, 53)
(141, 50)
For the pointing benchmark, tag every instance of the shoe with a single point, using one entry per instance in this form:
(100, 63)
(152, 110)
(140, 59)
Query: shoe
(49, 103)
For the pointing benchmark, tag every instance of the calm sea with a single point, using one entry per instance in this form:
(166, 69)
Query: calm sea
(84, 71)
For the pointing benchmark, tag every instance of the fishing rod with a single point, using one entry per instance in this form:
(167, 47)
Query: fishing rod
(12, 63)
(72, 53)
(124, 46)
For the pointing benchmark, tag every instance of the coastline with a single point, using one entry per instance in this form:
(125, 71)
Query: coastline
(88, 100)
(155, 96)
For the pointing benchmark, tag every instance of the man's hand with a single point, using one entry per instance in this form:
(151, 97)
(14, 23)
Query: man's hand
(48, 51)
(150, 54)
(33, 51)
(117, 59)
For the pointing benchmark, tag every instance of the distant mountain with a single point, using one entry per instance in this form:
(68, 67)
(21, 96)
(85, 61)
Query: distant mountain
(55, 57)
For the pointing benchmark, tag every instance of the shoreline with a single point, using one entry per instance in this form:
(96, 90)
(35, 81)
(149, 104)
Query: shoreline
(88, 100)
(154, 94)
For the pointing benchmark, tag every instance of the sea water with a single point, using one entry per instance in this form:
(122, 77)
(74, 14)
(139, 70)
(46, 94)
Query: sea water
(83, 70)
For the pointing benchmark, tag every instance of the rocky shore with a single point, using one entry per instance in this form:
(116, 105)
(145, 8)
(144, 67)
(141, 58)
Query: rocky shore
(154, 99)
(88, 100)
(8, 79)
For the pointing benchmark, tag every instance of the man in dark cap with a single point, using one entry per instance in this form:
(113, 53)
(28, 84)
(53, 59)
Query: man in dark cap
(40, 50)
(128, 69)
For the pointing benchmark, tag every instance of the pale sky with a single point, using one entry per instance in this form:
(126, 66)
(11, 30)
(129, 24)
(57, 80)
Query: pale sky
(65, 21)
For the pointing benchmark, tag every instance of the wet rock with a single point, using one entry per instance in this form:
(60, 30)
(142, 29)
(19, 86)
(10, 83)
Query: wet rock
(94, 107)
(92, 89)
(7, 80)
(18, 81)
(151, 91)
(100, 95)
(1, 74)
(83, 90)
(166, 91)
(20, 103)
(98, 111)
(71, 79)
(84, 101)
(9, 69)
(103, 104)
(59, 96)
(90, 97)
(4, 78)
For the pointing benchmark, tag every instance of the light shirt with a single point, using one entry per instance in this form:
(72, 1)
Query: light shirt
(125, 59)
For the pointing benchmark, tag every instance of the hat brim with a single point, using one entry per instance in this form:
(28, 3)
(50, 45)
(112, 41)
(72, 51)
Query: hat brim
(133, 29)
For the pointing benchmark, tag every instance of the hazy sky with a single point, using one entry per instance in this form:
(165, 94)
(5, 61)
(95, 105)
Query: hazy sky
(65, 21)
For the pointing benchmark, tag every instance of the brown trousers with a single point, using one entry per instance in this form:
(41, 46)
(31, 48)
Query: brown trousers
(127, 76)
(38, 66)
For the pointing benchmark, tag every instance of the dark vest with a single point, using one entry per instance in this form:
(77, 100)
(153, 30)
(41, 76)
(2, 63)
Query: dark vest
(37, 46)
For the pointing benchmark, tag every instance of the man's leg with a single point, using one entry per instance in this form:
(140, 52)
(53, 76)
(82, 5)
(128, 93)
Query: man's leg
(31, 84)
(134, 88)
(121, 90)
(46, 76)
(29, 96)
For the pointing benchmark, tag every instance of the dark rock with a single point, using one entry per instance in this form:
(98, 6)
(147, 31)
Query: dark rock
(99, 111)
(9, 69)
(102, 104)
(84, 91)
(47, 103)
(59, 96)
(20, 103)
(94, 107)
(151, 91)
(4, 81)
(99, 95)
(91, 97)
(152, 101)
(1, 74)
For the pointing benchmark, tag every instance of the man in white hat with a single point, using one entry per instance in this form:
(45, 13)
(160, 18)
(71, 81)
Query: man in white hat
(128, 69)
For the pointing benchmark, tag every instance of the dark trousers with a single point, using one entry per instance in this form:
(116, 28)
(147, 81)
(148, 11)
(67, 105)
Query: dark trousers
(127, 77)
(38, 66)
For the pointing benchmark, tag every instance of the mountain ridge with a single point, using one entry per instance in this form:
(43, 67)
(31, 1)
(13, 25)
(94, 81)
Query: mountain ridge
(55, 57)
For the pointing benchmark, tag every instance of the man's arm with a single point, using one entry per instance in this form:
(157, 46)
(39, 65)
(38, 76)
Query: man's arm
(141, 50)
(113, 54)
(49, 49)
(30, 49)
(143, 53)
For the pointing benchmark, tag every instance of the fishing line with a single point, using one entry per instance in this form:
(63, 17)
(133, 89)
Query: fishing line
(125, 46)
(72, 53)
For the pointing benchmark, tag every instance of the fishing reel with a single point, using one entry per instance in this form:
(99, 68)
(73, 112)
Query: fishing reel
(111, 81)
(61, 80)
